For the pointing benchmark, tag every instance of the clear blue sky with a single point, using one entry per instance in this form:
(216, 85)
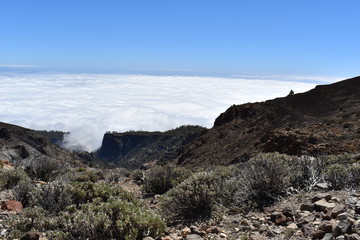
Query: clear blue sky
(308, 37)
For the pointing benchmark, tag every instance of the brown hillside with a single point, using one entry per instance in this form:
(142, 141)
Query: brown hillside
(324, 120)
(19, 145)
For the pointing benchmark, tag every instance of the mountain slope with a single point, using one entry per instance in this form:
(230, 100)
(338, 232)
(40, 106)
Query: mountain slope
(324, 120)
(19, 145)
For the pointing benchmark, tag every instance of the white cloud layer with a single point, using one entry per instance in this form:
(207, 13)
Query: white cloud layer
(88, 105)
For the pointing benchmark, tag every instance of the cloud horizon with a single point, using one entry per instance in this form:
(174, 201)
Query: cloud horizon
(88, 105)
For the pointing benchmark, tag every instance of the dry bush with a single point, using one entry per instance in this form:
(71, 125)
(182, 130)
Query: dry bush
(160, 179)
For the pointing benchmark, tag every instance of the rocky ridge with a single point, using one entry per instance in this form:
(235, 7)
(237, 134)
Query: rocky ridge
(324, 120)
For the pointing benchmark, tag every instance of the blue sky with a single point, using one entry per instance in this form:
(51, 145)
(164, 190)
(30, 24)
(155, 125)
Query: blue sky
(183, 37)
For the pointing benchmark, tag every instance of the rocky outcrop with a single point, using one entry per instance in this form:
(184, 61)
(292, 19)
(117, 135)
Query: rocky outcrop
(133, 149)
(324, 120)
(19, 145)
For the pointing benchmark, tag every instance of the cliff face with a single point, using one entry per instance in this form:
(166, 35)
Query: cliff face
(133, 149)
(324, 120)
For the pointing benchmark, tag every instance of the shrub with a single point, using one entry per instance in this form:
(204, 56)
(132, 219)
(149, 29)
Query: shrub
(263, 179)
(102, 211)
(84, 192)
(26, 192)
(115, 219)
(10, 178)
(44, 168)
(198, 196)
(338, 176)
(306, 171)
(160, 179)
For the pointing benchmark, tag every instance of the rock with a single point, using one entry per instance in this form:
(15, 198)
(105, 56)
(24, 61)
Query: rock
(357, 208)
(150, 238)
(214, 229)
(353, 237)
(343, 216)
(33, 236)
(341, 228)
(319, 196)
(338, 209)
(326, 226)
(279, 218)
(164, 238)
(328, 236)
(263, 228)
(351, 201)
(307, 229)
(308, 219)
(307, 207)
(223, 235)
(322, 205)
(12, 205)
(292, 226)
(323, 186)
(6, 165)
(196, 230)
(318, 234)
(193, 237)
(186, 231)
(257, 237)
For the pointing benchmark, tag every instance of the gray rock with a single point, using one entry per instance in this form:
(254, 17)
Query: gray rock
(342, 237)
(341, 228)
(148, 238)
(328, 236)
(353, 237)
(323, 186)
(351, 200)
(343, 216)
(193, 237)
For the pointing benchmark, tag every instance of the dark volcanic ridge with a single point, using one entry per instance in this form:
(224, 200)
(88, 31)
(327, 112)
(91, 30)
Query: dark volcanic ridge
(324, 120)
(133, 149)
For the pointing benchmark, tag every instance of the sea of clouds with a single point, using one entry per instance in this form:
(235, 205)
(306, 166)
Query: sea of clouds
(88, 105)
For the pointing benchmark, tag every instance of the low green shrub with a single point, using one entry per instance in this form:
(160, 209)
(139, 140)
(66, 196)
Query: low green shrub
(10, 178)
(198, 196)
(263, 179)
(160, 179)
(84, 192)
(86, 211)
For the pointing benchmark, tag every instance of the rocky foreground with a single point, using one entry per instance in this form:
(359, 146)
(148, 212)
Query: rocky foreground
(315, 215)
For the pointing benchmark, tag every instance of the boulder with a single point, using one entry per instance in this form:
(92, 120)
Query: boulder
(12, 205)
